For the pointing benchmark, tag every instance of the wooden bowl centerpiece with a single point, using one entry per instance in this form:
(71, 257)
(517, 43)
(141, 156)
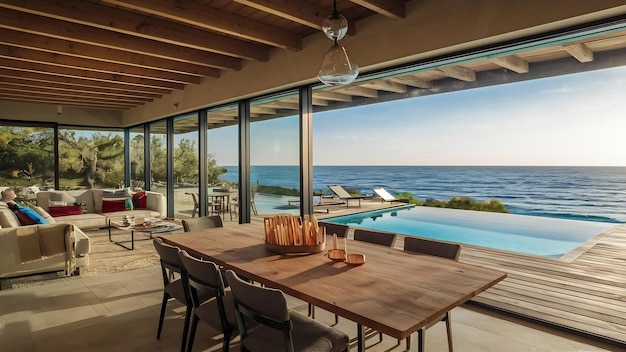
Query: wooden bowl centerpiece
(293, 234)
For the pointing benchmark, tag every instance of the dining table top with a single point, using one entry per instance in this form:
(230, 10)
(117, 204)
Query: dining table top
(394, 292)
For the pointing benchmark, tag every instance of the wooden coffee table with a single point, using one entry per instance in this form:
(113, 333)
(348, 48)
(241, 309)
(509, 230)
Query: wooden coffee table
(161, 226)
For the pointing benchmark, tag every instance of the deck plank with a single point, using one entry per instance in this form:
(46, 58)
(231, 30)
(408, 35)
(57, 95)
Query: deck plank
(586, 294)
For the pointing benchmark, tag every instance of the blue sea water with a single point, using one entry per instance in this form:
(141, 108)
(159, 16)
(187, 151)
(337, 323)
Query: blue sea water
(579, 193)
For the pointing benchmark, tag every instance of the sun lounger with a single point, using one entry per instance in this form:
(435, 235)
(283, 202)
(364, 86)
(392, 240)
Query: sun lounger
(386, 196)
(344, 195)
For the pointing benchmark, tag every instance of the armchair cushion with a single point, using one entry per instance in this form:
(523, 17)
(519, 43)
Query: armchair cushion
(140, 200)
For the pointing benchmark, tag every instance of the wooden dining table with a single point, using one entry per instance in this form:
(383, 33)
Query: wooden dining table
(394, 292)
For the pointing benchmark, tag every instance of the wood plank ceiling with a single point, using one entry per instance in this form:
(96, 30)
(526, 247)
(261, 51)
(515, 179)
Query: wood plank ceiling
(118, 54)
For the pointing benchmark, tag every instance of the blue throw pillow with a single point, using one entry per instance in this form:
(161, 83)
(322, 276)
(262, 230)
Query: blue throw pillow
(38, 219)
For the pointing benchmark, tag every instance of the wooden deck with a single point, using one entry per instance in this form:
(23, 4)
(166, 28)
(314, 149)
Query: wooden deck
(586, 293)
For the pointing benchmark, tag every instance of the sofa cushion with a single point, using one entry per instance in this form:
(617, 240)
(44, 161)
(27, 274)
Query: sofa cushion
(23, 218)
(44, 214)
(140, 200)
(28, 216)
(65, 210)
(109, 206)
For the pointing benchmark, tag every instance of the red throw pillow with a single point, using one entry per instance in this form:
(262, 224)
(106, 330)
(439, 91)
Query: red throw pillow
(65, 210)
(23, 218)
(140, 200)
(109, 206)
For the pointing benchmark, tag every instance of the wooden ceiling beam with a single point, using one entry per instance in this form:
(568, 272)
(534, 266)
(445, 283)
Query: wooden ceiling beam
(205, 16)
(10, 88)
(66, 100)
(358, 91)
(93, 105)
(385, 85)
(297, 11)
(88, 51)
(51, 27)
(512, 63)
(149, 27)
(580, 52)
(42, 57)
(389, 8)
(21, 82)
(80, 82)
(77, 73)
(330, 95)
(460, 73)
(412, 81)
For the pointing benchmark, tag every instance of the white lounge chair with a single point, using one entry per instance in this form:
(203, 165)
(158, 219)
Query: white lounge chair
(386, 196)
(344, 195)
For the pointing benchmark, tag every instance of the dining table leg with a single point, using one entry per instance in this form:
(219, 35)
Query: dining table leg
(360, 338)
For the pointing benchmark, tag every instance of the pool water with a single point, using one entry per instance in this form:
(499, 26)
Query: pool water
(535, 235)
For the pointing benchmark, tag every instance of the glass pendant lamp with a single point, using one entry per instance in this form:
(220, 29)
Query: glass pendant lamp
(337, 69)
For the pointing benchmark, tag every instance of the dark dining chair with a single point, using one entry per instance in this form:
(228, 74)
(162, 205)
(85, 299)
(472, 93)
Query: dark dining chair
(375, 237)
(204, 222)
(173, 285)
(440, 249)
(341, 231)
(204, 279)
(279, 329)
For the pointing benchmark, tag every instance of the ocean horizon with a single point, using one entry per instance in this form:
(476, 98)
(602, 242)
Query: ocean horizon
(591, 193)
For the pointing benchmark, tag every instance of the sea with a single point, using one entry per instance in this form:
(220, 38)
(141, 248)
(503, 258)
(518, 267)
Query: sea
(577, 193)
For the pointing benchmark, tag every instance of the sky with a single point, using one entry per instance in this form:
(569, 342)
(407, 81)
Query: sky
(572, 120)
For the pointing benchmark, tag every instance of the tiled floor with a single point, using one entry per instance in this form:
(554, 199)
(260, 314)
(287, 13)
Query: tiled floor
(119, 312)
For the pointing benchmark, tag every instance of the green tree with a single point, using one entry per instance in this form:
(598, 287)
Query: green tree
(27, 153)
(94, 158)
(186, 161)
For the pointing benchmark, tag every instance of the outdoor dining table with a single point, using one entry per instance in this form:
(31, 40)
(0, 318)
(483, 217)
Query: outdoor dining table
(394, 292)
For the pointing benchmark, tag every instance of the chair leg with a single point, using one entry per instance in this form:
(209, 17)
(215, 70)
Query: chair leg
(449, 331)
(336, 319)
(186, 328)
(408, 343)
(311, 312)
(192, 332)
(162, 315)
(420, 340)
(226, 344)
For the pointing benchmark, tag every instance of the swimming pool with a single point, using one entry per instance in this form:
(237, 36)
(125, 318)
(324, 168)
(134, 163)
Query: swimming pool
(519, 233)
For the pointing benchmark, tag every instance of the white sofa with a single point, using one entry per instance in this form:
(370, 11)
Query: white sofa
(34, 249)
(93, 215)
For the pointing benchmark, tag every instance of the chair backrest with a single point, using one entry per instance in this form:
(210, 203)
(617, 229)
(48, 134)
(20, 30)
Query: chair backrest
(204, 277)
(376, 237)
(382, 193)
(339, 229)
(339, 191)
(261, 304)
(205, 222)
(431, 247)
(170, 264)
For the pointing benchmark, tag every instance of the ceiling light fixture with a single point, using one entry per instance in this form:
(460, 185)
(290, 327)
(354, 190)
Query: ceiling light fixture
(336, 68)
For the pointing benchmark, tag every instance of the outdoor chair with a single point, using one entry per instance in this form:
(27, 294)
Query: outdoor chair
(439, 249)
(196, 203)
(386, 196)
(204, 277)
(205, 222)
(342, 194)
(173, 285)
(279, 329)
